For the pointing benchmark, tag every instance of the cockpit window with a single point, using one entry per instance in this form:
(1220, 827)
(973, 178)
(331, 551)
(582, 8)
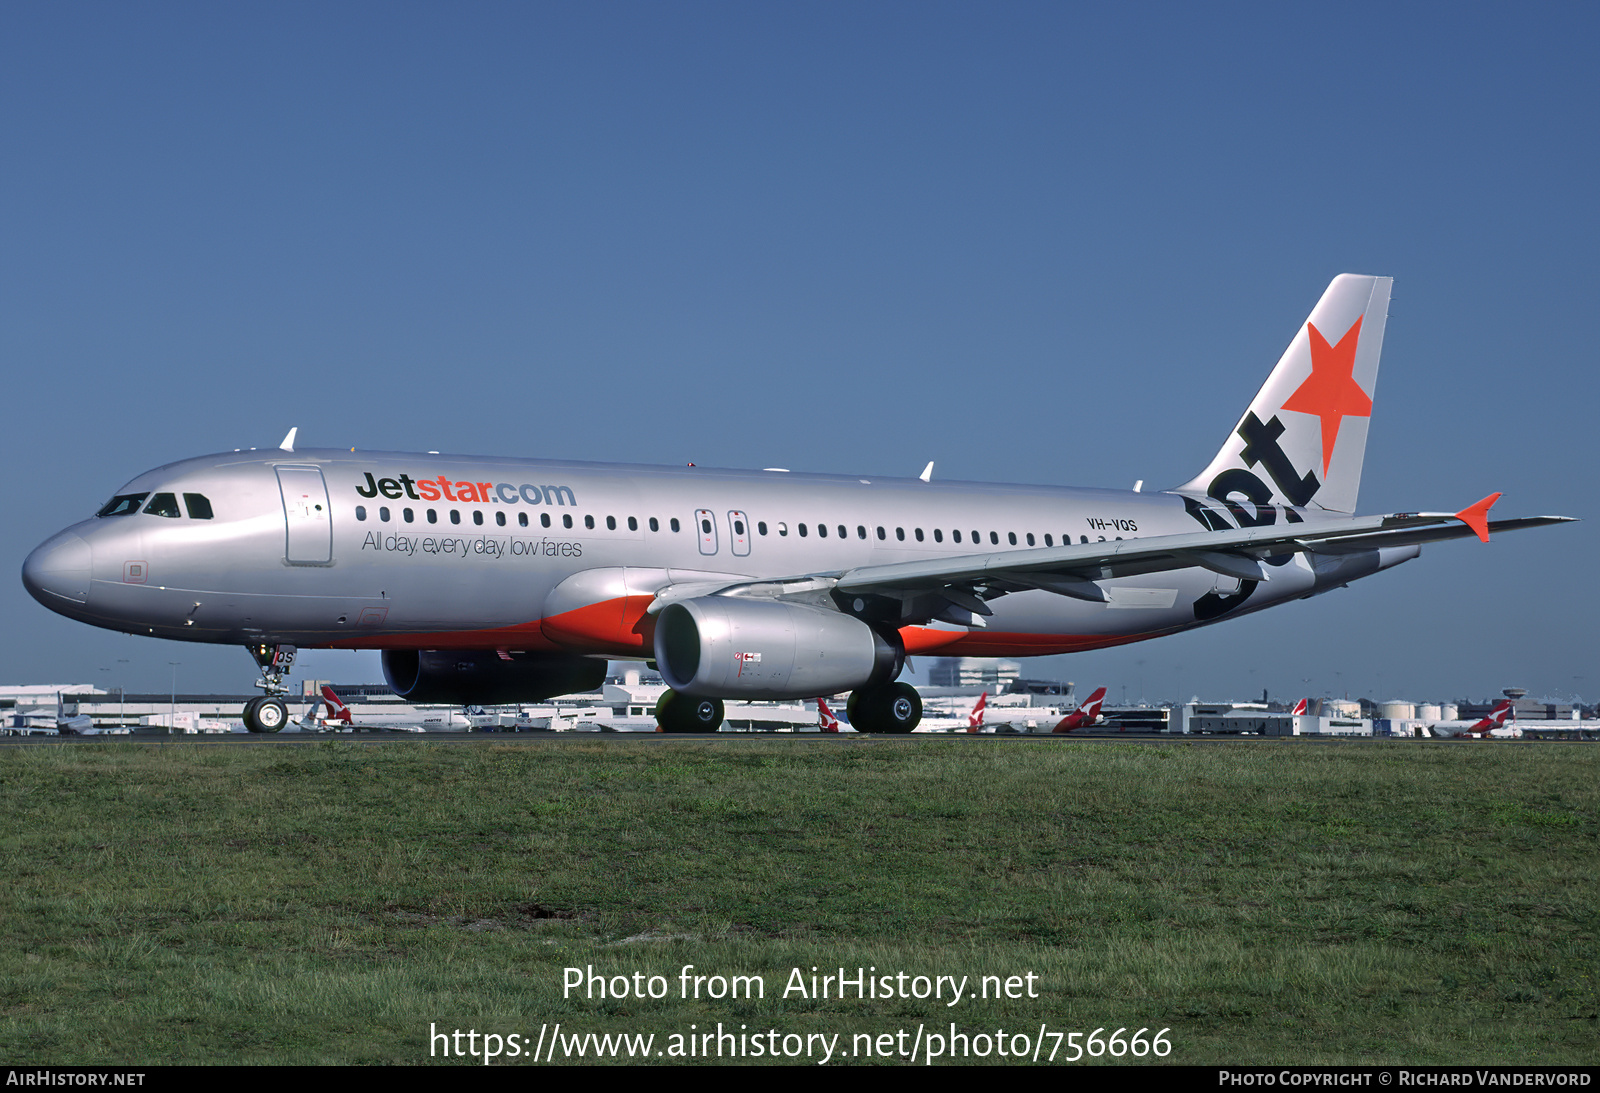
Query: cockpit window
(123, 504)
(163, 504)
(199, 506)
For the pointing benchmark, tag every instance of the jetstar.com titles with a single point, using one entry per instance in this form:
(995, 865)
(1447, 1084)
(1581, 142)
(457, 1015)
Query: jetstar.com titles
(441, 488)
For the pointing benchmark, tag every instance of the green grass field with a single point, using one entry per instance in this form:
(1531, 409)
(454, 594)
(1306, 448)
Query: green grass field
(1264, 902)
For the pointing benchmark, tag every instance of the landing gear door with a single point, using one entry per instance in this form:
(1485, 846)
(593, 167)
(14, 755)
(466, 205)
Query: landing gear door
(738, 533)
(305, 508)
(705, 525)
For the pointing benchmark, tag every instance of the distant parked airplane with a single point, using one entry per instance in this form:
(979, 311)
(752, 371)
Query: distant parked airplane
(826, 721)
(339, 714)
(1492, 725)
(1087, 713)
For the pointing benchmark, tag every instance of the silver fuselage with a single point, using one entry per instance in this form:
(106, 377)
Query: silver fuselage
(380, 550)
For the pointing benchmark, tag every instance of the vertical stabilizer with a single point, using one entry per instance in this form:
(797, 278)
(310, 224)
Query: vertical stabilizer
(1303, 439)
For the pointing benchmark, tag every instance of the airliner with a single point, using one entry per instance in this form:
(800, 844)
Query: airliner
(339, 715)
(497, 580)
(1492, 725)
(1087, 714)
(947, 721)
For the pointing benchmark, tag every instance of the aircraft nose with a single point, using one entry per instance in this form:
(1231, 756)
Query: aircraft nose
(59, 569)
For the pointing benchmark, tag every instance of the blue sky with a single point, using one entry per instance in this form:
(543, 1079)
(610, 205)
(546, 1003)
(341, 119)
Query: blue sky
(1032, 242)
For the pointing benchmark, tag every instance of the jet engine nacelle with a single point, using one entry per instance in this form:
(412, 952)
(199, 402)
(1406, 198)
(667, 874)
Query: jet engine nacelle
(727, 647)
(477, 678)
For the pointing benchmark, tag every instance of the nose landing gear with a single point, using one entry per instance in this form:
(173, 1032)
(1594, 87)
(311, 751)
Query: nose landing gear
(265, 714)
(269, 712)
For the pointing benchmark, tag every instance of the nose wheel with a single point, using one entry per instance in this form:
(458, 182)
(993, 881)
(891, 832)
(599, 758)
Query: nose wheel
(269, 712)
(265, 714)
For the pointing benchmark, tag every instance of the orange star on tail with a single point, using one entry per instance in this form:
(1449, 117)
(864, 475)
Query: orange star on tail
(1331, 392)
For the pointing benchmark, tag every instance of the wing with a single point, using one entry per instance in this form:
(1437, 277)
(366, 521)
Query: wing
(956, 589)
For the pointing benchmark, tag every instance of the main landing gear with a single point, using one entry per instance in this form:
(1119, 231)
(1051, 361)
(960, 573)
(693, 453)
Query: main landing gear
(887, 708)
(680, 713)
(269, 712)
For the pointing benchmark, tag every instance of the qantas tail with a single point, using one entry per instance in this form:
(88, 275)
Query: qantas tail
(1087, 713)
(1301, 707)
(337, 710)
(1303, 439)
(1496, 719)
(975, 718)
(826, 721)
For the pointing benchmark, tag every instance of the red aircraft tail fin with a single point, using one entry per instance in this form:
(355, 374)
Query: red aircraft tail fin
(1087, 713)
(975, 718)
(1496, 719)
(337, 710)
(826, 721)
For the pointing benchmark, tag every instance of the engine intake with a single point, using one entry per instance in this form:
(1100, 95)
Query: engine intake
(726, 647)
(478, 678)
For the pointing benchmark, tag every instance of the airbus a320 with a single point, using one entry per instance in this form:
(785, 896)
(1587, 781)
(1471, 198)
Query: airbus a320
(498, 580)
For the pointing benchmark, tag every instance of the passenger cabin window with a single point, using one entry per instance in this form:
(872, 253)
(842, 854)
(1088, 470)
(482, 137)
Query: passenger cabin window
(123, 504)
(633, 523)
(522, 519)
(408, 514)
(544, 519)
(383, 513)
(477, 516)
(655, 525)
(566, 520)
(938, 536)
(918, 534)
(1012, 537)
(361, 512)
(163, 504)
(500, 519)
(900, 533)
(674, 524)
(956, 535)
(861, 531)
(433, 516)
(802, 529)
(611, 523)
(762, 527)
(455, 516)
(199, 506)
(588, 522)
